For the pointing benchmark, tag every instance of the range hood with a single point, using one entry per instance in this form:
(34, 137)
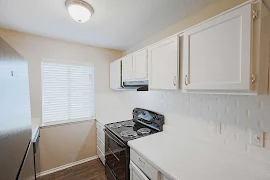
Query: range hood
(136, 85)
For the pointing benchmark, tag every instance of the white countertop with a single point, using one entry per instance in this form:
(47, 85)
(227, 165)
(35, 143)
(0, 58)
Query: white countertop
(180, 157)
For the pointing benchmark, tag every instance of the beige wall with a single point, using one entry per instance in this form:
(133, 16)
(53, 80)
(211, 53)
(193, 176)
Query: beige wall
(67, 143)
(206, 13)
(34, 48)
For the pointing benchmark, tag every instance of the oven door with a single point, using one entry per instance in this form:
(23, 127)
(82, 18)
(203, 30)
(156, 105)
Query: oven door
(116, 157)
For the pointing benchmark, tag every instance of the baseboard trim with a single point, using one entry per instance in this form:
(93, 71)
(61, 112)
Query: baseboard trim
(43, 173)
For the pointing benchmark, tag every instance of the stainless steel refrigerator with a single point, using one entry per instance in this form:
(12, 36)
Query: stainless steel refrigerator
(16, 152)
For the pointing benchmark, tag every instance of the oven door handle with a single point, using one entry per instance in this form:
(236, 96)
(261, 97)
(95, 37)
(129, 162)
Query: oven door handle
(120, 144)
(114, 154)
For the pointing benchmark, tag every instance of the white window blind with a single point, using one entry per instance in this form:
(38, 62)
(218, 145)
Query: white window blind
(68, 92)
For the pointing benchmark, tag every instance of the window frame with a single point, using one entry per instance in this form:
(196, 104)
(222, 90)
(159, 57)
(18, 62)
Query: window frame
(64, 62)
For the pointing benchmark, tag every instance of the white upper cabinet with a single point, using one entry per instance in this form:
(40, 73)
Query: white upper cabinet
(127, 68)
(140, 65)
(218, 54)
(135, 66)
(115, 75)
(163, 60)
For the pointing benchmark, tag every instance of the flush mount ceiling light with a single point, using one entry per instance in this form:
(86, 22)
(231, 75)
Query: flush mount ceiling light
(79, 10)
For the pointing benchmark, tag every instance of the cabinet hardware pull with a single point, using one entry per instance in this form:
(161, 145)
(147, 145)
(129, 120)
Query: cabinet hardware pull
(253, 78)
(174, 81)
(255, 14)
(186, 83)
(142, 161)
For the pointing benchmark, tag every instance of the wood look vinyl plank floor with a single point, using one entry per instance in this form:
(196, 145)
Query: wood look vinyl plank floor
(92, 170)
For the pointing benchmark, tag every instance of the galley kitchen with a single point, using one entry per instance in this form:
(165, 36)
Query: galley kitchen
(135, 90)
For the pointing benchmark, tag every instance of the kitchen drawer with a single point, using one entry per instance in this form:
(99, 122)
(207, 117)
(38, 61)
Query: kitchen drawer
(100, 155)
(164, 177)
(101, 135)
(101, 145)
(99, 126)
(147, 168)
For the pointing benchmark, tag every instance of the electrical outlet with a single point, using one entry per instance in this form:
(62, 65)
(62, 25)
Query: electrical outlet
(257, 138)
(217, 127)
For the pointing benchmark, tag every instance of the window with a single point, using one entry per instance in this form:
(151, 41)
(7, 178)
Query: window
(68, 92)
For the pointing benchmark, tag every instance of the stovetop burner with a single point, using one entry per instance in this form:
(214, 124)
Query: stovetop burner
(128, 123)
(144, 131)
(128, 133)
(115, 125)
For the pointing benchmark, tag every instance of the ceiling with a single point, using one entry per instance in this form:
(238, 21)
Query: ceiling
(116, 24)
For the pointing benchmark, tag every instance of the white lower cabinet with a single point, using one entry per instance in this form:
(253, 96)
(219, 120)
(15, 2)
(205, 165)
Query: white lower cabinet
(100, 142)
(101, 155)
(145, 166)
(163, 177)
(136, 173)
(140, 169)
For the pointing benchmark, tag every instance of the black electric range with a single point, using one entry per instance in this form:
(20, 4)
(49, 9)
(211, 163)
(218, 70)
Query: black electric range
(117, 155)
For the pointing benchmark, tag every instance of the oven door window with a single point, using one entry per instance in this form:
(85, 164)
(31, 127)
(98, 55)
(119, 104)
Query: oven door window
(115, 156)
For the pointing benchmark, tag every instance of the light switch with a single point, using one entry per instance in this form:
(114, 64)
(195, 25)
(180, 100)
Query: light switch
(257, 138)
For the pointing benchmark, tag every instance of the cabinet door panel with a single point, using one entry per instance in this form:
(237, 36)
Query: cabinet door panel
(164, 177)
(115, 75)
(136, 173)
(140, 65)
(127, 70)
(163, 64)
(217, 52)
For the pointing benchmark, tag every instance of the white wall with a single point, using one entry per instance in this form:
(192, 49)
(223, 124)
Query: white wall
(206, 13)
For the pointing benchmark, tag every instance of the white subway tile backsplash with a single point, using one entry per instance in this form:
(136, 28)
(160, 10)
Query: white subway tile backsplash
(195, 114)
(236, 145)
(260, 153)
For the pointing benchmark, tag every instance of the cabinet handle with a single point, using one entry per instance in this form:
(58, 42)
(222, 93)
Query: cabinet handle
(186, 83)
(253, 78)
(174, 81)
(142, 161)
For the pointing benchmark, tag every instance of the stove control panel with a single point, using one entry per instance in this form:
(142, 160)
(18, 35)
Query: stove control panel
(148, 118)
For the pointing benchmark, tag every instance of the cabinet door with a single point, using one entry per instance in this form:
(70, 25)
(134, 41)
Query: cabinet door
(163, 62)
(115, 74)
(136, 173)
(127, 69)
(217, 52)
(163, 177)
(140, 65)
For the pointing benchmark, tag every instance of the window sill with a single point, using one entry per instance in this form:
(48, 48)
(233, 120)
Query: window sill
(62, 123)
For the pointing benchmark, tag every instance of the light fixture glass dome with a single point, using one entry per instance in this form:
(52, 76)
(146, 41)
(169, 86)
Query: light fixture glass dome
(79, 10)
